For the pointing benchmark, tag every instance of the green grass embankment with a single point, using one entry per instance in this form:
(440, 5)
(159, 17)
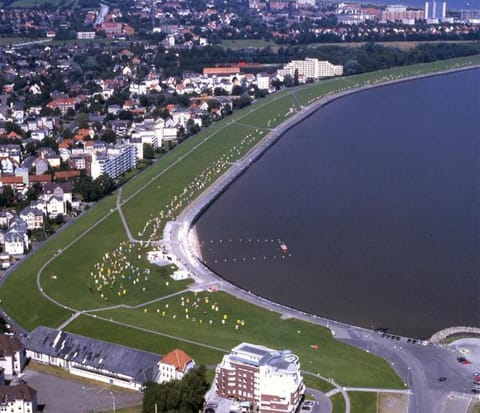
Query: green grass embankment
(68, 278)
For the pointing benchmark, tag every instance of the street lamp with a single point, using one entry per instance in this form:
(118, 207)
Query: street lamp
(113, 401)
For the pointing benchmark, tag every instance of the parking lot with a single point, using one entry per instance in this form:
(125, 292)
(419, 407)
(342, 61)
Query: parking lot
(60, 395)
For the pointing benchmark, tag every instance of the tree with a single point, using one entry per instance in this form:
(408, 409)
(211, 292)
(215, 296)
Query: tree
(86, 189)
(7, 197)
(109, 136)
(184, 395)
(148, 152)
(104, 185)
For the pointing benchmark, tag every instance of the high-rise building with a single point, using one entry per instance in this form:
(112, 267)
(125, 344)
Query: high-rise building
(311, 69)
(435, 10)
(268, 378)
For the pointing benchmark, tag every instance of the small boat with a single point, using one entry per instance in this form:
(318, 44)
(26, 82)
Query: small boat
(283, 248)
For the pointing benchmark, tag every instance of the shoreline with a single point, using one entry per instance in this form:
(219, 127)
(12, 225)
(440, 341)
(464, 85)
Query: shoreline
(186, 237)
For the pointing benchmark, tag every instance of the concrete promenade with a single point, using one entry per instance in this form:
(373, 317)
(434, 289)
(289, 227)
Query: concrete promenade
(419, 366)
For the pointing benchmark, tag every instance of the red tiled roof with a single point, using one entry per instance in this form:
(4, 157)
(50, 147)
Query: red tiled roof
(66, 174)
(39, 178)
(178, 358)
(9, 180)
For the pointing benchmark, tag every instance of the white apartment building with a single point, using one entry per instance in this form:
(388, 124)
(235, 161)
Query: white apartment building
(263, 81)
(114, 161)
(268, 378)
(311, 68)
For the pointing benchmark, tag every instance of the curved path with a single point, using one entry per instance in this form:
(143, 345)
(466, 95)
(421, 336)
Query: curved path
(417, 365)
(410, 366)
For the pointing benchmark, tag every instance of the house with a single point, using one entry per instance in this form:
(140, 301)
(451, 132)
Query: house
(93, 359)
(60, 190)
(6, 215)
(16, 238)
(55, 206)
(14, 242)
(270, 379)
(12, 356)
(19, 399)
(33, 217)
(174, 365)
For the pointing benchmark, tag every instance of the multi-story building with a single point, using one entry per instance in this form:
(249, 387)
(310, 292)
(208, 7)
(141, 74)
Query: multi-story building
(174, 365)
(435, 10)
(12, 356)
(268, 378)
(114, 161)
(311, 69)
(86, 35)
(19, 399)
(399, 12)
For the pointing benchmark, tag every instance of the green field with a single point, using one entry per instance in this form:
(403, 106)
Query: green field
(90, 265)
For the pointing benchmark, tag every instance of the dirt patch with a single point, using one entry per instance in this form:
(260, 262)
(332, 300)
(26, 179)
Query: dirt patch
(392, 403)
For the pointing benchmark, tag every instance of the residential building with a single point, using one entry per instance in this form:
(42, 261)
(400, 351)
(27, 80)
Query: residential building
(86, 35)
(19, 399)
(311, 69)
(435, 10)
(94, 359)
(268, 378)
(400, 13)
(63, 104)
(114, 162)
(174, 365)
(33, 217)
(16, 239)
(12, 356)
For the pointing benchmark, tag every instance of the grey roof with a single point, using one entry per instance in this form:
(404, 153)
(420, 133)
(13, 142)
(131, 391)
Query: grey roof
(18, 224)
(90, 353)
(13, 236)
(25, 211)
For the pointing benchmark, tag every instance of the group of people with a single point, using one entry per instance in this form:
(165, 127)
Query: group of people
(116, 271)
(198, 309)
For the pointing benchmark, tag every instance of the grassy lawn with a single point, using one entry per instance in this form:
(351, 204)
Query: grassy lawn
(94, 252)
(134, 409)
(363, 402)
(222, 321)
(317, 383)
(260, 44)
(245, 43)
(338, 403)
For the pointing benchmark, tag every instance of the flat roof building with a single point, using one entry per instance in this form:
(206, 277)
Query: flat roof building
(311, 69)
(268, 378)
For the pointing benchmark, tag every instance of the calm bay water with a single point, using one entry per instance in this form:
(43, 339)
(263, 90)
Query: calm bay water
(377, 198)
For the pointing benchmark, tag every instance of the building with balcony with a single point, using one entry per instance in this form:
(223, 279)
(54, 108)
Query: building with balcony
(114, 161)
(311, 69)
(270, 379)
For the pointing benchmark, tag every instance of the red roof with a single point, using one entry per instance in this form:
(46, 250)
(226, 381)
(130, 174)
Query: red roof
(66, 174)
(39, 178)
(177, 358)
(9, 180)
(13, 135)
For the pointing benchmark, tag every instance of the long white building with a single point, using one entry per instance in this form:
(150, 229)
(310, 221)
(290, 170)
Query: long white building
(311, 68)
(268, 378)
